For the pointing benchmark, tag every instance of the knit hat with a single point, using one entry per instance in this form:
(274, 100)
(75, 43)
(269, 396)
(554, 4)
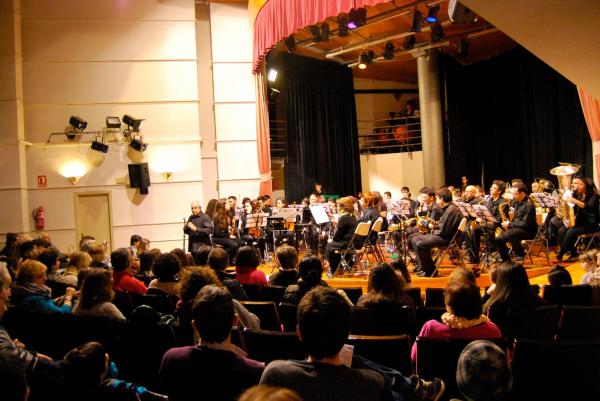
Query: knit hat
(482, 372)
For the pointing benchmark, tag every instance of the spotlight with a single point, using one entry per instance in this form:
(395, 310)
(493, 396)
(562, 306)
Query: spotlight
(463, 48)
(432, 14)
(290, 42)
(409, 42)
(273, 93)
(325, 31)
(315, 31)
(78, 123)
(437, 33)
(365, 58)
(417, 23)
(272, 75)
(113, 122)
(138, 145)
(357, 18)
(342, 21)
(388, 54)
(132, 122)
(99, 146)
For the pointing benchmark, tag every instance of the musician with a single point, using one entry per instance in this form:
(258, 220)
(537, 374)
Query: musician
(464, 182)
(523, 225)
(343, 234)
(198, 227)
(448, 224)
(224, 233)
(493, 204)
(383, 211)
(281, 203)
(469, 195)
(413, 203)
(370, 211)
(387, 195)
(428, 210)
(585, 199)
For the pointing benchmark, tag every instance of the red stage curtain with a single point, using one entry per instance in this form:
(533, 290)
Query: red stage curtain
(262, 134)
(591, 112)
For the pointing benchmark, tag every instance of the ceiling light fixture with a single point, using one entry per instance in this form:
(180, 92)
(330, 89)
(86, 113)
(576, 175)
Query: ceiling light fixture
(99, 146)
(342, 21)
(272, 75)
(357, 17)
(417, 23)
(432, 14)
(113, 122)
(409, 42)
(437, 33)
(388, 53)
(138, 144)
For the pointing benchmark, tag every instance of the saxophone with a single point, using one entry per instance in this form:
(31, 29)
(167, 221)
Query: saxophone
(503, 215)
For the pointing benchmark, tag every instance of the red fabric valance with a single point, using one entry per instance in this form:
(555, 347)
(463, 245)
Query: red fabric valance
(278, 19)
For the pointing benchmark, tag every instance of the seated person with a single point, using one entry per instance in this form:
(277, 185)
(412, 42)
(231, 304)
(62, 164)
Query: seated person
(323, 326)
(123, 279)
(385, 289)
(559, 276)
(97, 295)
(310, 271)
(78, 261)
(246, 264)
(214, 369)
(218, 260)
(166, 268)
(287, 258)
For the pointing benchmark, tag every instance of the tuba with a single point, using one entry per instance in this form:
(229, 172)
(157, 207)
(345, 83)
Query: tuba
(564, 211)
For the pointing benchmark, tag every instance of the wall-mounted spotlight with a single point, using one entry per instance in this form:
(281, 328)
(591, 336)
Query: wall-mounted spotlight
(315, 31)
(133, 124)
(417, 23)
(138, 144)
(99, 146)
(388, 53)
(290, 43)
(272, 75)
(409, 42)
(432, 14)
(113, 122)
(78, 123)
(342, 21)
(273, 93)
(365, 58)
(357, 17)
(437, 33)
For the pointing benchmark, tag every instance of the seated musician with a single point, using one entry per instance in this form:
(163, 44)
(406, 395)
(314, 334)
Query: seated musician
(448, 224)
(585, 199)
(522, 226)
(426, 212)
(470, 195)
(383, 211)
(493, 205)
(223, 234)
(413, 203)
(370, 211)
(343, 234)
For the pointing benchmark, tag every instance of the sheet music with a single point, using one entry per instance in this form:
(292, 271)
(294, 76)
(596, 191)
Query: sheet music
(319, 214)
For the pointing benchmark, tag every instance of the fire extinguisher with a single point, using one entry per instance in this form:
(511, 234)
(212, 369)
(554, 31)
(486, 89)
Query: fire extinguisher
(39, 217)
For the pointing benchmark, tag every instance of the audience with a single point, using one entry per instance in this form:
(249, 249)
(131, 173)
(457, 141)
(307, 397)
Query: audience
(310, 271)
(123, 280)
(146, 261)
(166, 268)
(589, 262)
(385, 289)
(246, 267)
(97, 295)
(201, 255)
(78, 261)
(287, 258)
(98, 254)
(218, 260)
(559, 275)
(214, 369)
(268, 393)
(50, 259)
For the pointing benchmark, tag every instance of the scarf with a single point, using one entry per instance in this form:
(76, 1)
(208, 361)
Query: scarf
(455, 322)
(21, 291)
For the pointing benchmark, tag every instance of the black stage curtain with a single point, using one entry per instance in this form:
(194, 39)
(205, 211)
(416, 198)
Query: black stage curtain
(321, 126)
(512, 116)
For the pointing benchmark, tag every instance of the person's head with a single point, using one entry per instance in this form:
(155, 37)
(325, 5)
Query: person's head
(345, 205)
(80, 260)
(231, 202)
(587, 186)
(575, 183)
(462, 274)
(86, 366)
(559, 276)
(281, 203)
(135, 240)
(96, 288)
(427, 195)
(318, 187)
(5, 282)
(194, 279)
(247, 257)
(196, 208)
(166, 267)
(497, 188)
(483, 372)
(589, 260)
(310, 270)
(515, 182)
(13, 378)
(249, 206)
(147, 259)
(268, 393)
(520, 192)
(213, 313)
(31, 272)
(323, 322)
(85, 242)
(535, 187)
(201, 255)
(287, 257)
(384, 280)
(463, 299)
(368, 199)
(313, 199)
(464, 180)
(211, 207)
(11, 239)
(512, 287)
(24, 247)
(218, 259)
(97, 252)
(387, 195)
(470, 192)
(50, 258)
(120, 259)
(443, 196)
(305, 201)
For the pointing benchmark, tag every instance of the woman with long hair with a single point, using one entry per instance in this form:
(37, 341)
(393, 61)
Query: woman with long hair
(310, 271)
(97, 295)
(385, 289)
(222, 234)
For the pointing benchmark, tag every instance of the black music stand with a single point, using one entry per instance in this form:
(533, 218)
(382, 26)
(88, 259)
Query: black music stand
(487, 218)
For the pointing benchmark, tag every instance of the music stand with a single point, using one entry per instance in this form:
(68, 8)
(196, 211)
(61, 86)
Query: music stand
(463, 209)
(488, 219)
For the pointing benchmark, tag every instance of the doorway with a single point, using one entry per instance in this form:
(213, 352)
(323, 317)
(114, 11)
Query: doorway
(92, 216)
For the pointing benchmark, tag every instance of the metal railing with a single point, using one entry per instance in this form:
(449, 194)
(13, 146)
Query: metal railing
(397, 135)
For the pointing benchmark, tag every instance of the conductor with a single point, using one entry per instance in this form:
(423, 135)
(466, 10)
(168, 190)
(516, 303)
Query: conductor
(198, 227)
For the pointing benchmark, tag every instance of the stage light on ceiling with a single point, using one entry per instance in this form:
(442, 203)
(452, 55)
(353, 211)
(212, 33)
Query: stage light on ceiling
(437, 33)
(357, 17)
(132, 123)
(113, 122)
(78, 123)
(324, 31)
(463, 48)
(432, 14)
(388, 53)
(342, 21)
(365, 58)
(417, 23)
(272, 75)
(138, 144)
(315, 31)
(409, 42)
(290, 43)
(99, 146)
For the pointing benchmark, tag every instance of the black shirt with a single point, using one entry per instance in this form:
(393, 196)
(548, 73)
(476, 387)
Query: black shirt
(204, 227)
(345, 228)
(524, 217)
(449, 222)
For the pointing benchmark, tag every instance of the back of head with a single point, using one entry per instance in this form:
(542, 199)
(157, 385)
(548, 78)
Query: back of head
(120, 259)
(268, 393)
(134, 239)
(346, 205)
(559, 276)
(247, 257)
(444, 194)
(80, 260)
(96, 288)
(324, 322)
(512, 287)
(463, 274)
(166, 266)
(85, 366)
(287, 256)
(213, 313)
(194, 279)
(49, 258)
(181, 255)
(96, 252)
(483, 373)
(218, 259)
(464, 299)
(147, 259)
(201, 255)
(384, 280)
(310, 270)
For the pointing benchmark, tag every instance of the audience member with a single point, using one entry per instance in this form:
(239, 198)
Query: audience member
(98, 254)
(181, 255)
(310, 271)
(201, 255)
(86, 242)
(123, 280)
(589, 263)
(146, 261)
(166, 268)
(78, 261)
(385, 289)
(246, 267)
(268, 393)
(218, 260)
(559, 275)
(214, 369)
(97, 295)
(287, 258)
(50, 259)
(8, 253)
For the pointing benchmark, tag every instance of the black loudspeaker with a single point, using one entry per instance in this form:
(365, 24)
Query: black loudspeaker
(460, 14)
(139, 176)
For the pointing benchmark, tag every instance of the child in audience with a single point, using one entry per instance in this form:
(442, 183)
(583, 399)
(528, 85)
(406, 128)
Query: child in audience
(559, 276)
(589, 262)
(287, 258)
(246, 264)
(166, 268)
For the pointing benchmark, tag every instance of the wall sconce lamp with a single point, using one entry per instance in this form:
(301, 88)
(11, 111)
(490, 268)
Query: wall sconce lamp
(73, 180)
(167, 175)
(73, 171)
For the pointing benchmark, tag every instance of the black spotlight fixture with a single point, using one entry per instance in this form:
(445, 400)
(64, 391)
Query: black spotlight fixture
(388, 52)
(365, 59)
(113, 122)
(409, 42)
(99, 146)
(290, 43)
(357, 17)
(342, 21)
(315, 31)
(132, 123)
(78, 123)
(463, 48)
(417, 23)
(138, 144)
(324, 31)
(437, 33)
(432, 14)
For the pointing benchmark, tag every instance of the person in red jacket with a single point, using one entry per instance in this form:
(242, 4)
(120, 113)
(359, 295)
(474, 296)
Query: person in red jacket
(123, 279)
(246, 263)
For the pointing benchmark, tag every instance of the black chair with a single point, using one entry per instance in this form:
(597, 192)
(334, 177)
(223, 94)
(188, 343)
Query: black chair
(580, 323)
(353, 293)
(556, 370)
(266, 312)
(160, 303)
(273, 293)
(438, 357)
(539, 323)
(434, 297)
(390, 351)
(415, 294)
(568, 294)
(253, 291)
(123, 301)
(288, 316)
(382, 321)
(425, 314)
(267, 346)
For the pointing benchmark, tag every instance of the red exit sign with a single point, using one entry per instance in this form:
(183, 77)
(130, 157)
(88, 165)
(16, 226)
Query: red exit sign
(42, 182)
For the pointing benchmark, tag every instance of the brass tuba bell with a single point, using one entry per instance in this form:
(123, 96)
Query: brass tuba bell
(564, 174)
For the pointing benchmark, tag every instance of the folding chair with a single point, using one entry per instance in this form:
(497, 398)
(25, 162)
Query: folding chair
(453, 246)
(376, 249)
(592, 238)
(361, 233)
(540, 239)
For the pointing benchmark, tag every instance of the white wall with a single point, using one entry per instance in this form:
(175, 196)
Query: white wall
(392, 171)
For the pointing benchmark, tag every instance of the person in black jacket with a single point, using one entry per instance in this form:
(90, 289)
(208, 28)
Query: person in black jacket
(198, 227)
(343, 233)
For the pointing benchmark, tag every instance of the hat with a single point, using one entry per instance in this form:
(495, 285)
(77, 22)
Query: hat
(482, 372)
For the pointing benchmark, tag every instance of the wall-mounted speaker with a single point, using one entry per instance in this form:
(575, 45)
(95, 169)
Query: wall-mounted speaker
(139, 176)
